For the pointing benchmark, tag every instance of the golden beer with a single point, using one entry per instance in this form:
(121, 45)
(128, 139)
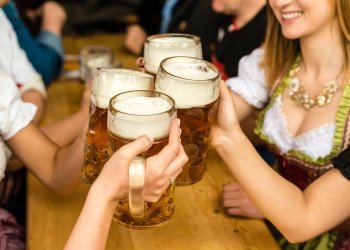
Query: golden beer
(132, 114)
(107, 83)
(96, 144)
(195, 126)
(194, 85)
(156, 213)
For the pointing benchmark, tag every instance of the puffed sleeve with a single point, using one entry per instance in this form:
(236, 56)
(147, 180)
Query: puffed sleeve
(250, 82)
(342, 163)
(14, 113)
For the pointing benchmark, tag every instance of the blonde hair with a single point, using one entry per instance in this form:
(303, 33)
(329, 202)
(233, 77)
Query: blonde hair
(281, 52)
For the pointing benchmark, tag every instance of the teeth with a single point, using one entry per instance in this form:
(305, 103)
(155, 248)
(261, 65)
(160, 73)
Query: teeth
(291, 15)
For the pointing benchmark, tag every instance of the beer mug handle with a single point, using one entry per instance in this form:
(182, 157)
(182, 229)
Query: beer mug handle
(136, 187)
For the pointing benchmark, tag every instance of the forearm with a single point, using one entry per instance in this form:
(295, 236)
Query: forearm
(66, 175)
(280, 201)
(72, 126)
(58, 168)
(91, 229)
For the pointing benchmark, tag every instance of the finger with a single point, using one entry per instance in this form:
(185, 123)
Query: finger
(225, 93)
(170, 151)
(231, 195)
(140, 62)
(231, 203)
(233, 186)
(126, 153)
(175, 167)
(234, 211)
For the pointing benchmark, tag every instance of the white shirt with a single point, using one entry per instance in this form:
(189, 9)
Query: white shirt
(14, 61)
(251, 85)
(14, 116)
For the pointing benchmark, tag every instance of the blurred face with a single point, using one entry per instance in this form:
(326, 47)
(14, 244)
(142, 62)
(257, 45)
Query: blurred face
(301, 18)
(228, 7)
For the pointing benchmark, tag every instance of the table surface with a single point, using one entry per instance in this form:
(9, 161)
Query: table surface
(199, 221)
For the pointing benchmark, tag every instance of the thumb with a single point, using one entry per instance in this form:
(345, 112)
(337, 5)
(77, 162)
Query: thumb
(126, 153)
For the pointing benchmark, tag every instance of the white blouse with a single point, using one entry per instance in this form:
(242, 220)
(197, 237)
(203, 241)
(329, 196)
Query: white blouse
(15, 62)
(14, 116)
(251, 85)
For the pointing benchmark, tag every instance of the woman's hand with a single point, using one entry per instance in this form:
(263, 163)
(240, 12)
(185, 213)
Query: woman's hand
(113, 179)
(140, 63)
(236, 202)
(226, 123)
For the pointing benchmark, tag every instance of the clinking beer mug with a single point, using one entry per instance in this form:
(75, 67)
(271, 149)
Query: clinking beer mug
(107, 83)
(161, 46)
(194, 84)
(92, 57)
(130, 115)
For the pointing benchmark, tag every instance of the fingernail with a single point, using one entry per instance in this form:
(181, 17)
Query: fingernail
(178, 121)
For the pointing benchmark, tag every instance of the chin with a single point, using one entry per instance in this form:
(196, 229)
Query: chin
(291, 35)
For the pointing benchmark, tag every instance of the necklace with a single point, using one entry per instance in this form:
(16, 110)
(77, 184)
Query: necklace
(298, 95)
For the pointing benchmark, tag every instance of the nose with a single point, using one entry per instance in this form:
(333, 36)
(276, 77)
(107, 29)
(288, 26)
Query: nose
(280, 3)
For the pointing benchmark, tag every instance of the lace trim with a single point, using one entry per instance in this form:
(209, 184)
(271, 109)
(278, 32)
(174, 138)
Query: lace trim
(339, 140)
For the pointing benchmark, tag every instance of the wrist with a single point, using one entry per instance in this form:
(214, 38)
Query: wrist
(229, 143)
(101, 193)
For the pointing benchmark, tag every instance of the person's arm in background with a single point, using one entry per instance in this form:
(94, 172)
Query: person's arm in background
(91, 229)
(72, 125)
(149, 18)
(298, 215)
(45, 51)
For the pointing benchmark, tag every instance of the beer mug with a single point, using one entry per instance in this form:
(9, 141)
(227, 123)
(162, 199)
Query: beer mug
(161, 46)
(107, 83)
(92, 57)
(130, 115)
(194, 84)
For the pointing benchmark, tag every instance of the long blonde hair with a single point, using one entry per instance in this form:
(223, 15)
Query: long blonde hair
(280, 52)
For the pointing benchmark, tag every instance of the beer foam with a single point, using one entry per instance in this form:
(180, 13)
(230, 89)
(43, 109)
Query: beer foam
(163, 47)
(194, 71)
(140, 116)
(141, 105)
(98, 60)
(192, 84)
(173, 41)
(109, 82)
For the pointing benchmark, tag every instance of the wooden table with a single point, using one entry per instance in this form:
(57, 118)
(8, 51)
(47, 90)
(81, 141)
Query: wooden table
(199, 221)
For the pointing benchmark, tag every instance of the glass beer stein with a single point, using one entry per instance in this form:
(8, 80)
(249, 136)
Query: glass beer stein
(161, 46)
(194, 84)
(92, 57)
(107, 83)
(130, 115)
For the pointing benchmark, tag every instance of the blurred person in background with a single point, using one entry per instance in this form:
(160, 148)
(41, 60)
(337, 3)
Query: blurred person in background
(194, 17)
(44, 50)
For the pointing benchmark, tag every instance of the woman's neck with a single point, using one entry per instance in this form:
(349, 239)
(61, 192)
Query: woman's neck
(322, 53)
